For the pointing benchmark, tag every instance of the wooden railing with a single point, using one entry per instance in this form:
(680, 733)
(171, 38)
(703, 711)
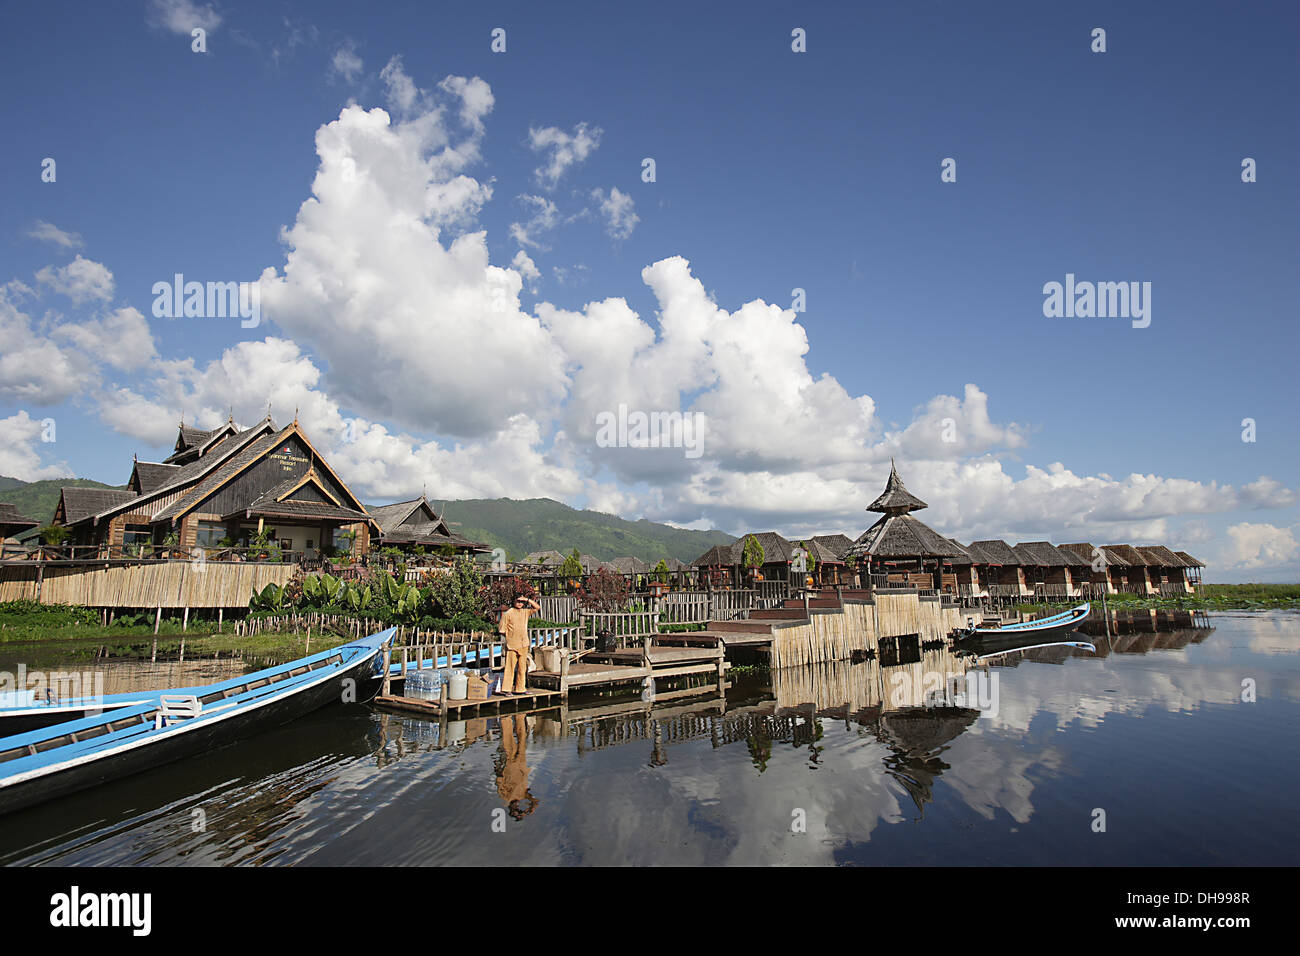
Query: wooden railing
(560, 608)
(626, 626)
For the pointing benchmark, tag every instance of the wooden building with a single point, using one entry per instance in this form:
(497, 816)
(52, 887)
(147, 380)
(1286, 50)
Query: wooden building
(12, 524)
(415, 524)
(224, 489)
(997, 569)
(901, 548)
(1050, 572)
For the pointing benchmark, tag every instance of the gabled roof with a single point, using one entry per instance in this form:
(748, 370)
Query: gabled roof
(392, 516)
(147, 476)
(628, 565)
(821, 553)
(1126, 553)
(719, 556)
(551, 558)
(11, 520)
(1189, 561)
(993, 552)
(1082, 550)
(81, 503)
(837, 544)
(896, 499)
(902, 536)
(1158, 556)
(1040, 554)
(244, 454)
(194, 442)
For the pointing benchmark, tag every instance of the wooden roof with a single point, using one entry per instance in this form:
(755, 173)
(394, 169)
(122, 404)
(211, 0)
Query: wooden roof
(837, 544)
(147, 476)
(1043, 554)
(994, 553)
(77, 504)
(1158, 556)
(902, 536)
(11, 520)
(1189, 561)
(627, 565)
(551, 558)
(1126, 553)
(896, 499)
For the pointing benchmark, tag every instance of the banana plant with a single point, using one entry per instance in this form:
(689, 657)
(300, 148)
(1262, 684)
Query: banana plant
(271, 598)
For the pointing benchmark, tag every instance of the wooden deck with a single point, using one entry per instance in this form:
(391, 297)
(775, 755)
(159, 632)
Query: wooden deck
(533, 699)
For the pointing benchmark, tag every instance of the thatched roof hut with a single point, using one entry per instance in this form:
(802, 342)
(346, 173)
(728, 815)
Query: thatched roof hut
(993, 553)
(897, 536)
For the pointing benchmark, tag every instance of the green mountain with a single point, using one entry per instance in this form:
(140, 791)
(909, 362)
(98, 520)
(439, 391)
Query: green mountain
(537, 524)
(38, 499)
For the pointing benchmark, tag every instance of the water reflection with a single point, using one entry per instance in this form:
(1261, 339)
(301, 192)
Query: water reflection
(1151, 726)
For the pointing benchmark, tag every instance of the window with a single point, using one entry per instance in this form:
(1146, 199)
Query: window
(208, 533)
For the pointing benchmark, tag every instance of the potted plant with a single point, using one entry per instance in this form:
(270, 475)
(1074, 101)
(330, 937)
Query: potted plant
(753, 557)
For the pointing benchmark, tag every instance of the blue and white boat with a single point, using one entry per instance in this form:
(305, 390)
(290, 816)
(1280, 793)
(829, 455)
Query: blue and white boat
(49, 762)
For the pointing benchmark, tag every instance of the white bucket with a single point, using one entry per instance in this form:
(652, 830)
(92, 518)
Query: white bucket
(457, 686)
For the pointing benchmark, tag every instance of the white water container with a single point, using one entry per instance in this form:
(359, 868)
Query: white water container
(457, 686)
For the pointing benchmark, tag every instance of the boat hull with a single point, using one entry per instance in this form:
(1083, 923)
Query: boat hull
(192, 739)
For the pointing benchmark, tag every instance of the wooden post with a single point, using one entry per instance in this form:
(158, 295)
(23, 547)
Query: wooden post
(157, 621)
(442, 715)
(564, 674)
(221, 613)
(185, 620)
(388, 659)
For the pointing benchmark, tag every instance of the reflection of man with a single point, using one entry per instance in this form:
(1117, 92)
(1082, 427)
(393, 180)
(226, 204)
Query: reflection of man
(514, 625)
(512, 784)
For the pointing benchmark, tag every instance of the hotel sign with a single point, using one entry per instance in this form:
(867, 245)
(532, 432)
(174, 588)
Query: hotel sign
(287, 459)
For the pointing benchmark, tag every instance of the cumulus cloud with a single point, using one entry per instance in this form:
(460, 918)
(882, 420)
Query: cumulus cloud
(525, 266)
(183, 16)
(617, 208)
(48, 232)
(563, 150)
(122, 339)
(1252, 546)
(20, 437)
(81, 280)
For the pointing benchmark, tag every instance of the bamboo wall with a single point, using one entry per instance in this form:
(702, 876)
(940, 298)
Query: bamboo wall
(171, 584)
(859, 627)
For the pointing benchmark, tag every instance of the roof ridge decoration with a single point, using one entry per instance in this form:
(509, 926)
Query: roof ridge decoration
(896, 499)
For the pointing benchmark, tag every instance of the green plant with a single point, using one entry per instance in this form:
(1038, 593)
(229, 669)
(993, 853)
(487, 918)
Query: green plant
(54, 534)
(459, 590)
(572, 566)
(753, 553)
(661, 571)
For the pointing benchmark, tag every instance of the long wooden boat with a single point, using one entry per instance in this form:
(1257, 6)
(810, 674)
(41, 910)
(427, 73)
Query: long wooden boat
(1054, 630)
(49, 762)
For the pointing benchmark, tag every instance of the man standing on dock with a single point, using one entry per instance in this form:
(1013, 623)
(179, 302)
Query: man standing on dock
(514, 625)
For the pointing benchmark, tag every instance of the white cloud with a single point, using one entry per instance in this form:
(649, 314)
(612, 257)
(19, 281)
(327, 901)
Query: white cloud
(20, 437)
(81, 280)
(545, 216)
(183, 16)
(346, 64)
(619, 211)
(122, 339)
(48, 232)
(366, 263)
(525, 266)
(565, 150)
(1252, 546)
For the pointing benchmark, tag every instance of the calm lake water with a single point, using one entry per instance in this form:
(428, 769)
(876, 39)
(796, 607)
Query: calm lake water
(827, 765)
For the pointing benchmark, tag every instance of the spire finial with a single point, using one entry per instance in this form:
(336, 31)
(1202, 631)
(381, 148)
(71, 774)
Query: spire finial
(268, 411)
(295, 414)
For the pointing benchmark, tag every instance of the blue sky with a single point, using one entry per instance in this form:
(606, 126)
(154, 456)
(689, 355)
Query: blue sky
(775, 170)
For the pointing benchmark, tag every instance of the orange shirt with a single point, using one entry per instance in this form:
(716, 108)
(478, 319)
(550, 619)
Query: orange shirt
(514, 624)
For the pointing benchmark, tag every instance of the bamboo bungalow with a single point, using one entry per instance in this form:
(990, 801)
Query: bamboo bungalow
(225, 488)
(1047, 569)
(1137, 580)
(1192, 569)
(997, 569)
(1115, 571)
(1168, 571)
(415, 527)
(904, 550)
